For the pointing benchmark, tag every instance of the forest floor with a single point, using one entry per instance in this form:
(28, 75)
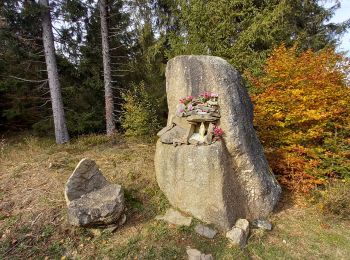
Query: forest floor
(33, 224)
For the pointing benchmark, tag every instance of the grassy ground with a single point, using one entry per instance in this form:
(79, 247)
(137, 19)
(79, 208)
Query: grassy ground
(33, 214)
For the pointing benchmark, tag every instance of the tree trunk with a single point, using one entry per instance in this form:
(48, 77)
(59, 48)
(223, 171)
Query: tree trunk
(109, 103)
(61, 132)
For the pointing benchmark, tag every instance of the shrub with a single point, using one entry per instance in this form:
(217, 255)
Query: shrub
(335, 200)
(140, 112)
(302, 115)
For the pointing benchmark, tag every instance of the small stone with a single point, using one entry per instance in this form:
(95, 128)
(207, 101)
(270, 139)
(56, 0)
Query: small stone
(175, 133)
(174, 217)
(205, 231)
(122, 220)
(237, 237)
(165, 129)
(194, 254)
(7, 206)
(243, 224)
(97, 232)
(263, 224)
(181, 121)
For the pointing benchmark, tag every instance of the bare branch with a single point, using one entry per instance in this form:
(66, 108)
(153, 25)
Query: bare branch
(28, 80)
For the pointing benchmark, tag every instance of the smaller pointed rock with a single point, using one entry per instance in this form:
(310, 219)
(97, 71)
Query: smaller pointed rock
(205, 231)
(86, 178)
(91, 199)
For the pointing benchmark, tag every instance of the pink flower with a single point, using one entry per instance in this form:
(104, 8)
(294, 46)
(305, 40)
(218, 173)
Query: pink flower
(205, 95)
(189, 98)
(182, 101)
(218, 131)
(190, 107)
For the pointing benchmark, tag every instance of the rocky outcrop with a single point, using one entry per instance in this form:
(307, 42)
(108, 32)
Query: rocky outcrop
(228, 179)
(91, 199)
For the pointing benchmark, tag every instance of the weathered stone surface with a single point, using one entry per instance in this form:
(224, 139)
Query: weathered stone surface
(91, 199)
(165, 129)
(243, 224)
(237, 237)
(205, 231)
(227, 180)
(100, 207)
(174, 217)
(263, 224)
(197, 179)
(209, 137)
(182, 122)
(86, 178)
(239, 233)
(175, 134)
(194, 254)
(201, 118)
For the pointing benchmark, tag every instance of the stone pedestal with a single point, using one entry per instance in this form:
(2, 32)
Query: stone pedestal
(196, 180)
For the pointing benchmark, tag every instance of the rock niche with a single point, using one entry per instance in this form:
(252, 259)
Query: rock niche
(209, 161)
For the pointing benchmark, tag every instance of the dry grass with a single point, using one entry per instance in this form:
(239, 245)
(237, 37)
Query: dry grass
(33, 215)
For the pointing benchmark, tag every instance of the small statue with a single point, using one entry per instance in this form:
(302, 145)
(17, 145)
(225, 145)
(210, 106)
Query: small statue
(202, 130)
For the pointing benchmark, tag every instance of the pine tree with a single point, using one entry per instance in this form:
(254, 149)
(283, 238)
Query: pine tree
(109, 102)
(61, 132)
(244, 32)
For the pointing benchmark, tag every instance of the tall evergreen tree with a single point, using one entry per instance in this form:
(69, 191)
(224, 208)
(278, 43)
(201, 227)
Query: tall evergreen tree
(61, 132)
(23, 82)
(244, 32)
(107, 74)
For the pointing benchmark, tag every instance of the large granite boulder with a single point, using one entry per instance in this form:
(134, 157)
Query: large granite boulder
(91, 199)
(228, 179)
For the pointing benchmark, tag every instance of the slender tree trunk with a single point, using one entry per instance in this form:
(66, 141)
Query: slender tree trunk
(61, 132)
(109, 103)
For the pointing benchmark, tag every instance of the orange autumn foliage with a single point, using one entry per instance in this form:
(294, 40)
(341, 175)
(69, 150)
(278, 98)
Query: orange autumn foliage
(302, 114)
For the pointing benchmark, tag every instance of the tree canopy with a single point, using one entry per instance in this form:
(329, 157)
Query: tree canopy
(143, 35)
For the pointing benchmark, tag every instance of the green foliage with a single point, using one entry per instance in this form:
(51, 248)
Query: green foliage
(143, 36)
(140, 112)
(245, 32)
